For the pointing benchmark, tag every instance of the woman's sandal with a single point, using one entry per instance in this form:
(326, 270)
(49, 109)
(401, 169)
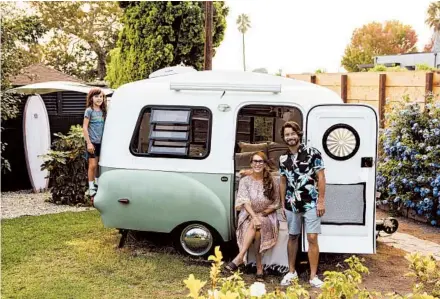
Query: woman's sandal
(259, 277)
(231, 267)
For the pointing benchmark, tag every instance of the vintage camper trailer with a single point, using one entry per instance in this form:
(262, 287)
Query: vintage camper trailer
(173, 146)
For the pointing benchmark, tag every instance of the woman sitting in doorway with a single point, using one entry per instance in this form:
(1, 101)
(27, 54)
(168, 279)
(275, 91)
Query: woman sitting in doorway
(258, 200)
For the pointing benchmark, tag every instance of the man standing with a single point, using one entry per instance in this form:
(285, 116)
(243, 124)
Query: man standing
(302, 187)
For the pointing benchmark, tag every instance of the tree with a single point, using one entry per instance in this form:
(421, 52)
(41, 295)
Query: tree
(244, 23)
(160, 34)
(429, 46)
(72, 58)
(19, 33)
(433, 21)
(88, 29)
(375, 39)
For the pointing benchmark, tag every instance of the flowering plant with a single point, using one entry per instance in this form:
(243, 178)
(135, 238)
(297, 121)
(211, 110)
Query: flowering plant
(409, 162)
(346, 284)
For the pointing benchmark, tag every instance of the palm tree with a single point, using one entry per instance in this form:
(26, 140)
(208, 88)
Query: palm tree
(244, 23)
(433, 21)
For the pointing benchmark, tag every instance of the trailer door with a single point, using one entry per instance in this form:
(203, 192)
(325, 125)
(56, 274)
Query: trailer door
(346, 136)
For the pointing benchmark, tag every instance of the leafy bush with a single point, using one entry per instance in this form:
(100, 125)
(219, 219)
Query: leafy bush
(427, 273)
(382, 68)
(68, 168)
(9, 107)
(336, 284)
(409, 165)
(424, 67)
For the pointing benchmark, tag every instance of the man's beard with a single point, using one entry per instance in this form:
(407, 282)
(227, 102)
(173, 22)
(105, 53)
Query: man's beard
(292, 141)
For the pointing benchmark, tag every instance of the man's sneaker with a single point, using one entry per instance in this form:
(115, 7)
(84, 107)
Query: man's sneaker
(92, 192)
(287, 279)
(316, 282)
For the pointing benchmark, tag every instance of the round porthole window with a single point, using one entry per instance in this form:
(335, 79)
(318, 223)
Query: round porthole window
(341, 142)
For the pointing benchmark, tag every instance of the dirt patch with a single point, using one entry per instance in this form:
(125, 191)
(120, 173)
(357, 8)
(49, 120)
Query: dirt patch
(387, 270)
(409, 226)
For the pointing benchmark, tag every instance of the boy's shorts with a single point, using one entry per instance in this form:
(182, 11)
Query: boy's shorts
(312, 223)
(97, 152)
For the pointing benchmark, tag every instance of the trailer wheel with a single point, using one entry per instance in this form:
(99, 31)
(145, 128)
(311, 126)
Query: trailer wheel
(195, 239)
(390, 225)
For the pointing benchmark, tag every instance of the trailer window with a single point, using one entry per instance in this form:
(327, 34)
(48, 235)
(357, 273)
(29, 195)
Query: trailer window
(179, 132)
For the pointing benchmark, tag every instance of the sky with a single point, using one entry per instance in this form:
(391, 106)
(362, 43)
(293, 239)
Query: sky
(301, 36)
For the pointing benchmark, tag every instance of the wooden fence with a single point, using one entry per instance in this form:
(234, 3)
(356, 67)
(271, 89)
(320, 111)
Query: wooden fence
(377, 89)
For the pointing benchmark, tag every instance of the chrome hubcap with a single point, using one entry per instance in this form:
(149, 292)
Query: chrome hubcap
(196, 239)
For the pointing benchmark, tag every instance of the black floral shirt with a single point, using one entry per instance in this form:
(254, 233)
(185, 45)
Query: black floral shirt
(300, 170)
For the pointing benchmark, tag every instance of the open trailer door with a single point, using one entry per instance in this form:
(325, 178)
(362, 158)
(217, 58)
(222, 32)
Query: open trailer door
(346, 136)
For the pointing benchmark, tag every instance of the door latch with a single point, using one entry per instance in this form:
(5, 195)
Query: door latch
(367, 162)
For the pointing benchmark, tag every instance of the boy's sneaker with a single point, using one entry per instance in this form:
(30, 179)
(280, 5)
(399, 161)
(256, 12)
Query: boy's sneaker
(316, 282)
(287, 279)
(92, 192)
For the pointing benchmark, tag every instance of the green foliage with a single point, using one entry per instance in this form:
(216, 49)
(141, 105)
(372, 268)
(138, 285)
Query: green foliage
(427, 273)
(72, 58)
(18, 33)
(82, 37)
(424, 67)
(382, 68)
(279, 73)
(68, 168)
(344, 284)
(375, 39)
(408, 172)
(320, 71)
(161, 34)
(233, 287)
(433, 16)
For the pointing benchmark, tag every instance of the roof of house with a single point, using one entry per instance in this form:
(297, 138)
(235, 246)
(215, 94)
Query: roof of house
(38, 73)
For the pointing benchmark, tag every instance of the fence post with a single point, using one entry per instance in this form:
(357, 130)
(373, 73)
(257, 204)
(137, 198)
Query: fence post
(429, 84)
(313, 79)
(344, 88)
(382, 100)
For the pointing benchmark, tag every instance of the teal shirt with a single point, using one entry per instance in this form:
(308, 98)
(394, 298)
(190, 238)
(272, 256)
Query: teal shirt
(96, 124)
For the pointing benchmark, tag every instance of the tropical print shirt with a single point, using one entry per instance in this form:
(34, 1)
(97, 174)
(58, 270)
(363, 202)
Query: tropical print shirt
(300, 170)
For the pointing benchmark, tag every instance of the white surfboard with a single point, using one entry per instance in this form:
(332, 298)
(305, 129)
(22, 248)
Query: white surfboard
(36, 136)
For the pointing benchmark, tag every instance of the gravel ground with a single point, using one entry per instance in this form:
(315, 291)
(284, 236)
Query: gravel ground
(27, 203)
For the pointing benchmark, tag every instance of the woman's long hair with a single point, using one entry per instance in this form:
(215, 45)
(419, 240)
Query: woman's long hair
(268, 184)
(89, 102)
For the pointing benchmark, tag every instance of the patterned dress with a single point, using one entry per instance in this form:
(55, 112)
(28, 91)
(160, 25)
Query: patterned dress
(251, 191)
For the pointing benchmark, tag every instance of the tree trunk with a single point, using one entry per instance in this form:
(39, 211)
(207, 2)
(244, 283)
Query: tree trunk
(436, 46)
(102, 55)
(244, 56)
(102, 69)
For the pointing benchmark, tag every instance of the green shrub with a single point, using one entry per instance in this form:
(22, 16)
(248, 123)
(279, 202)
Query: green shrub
(67, 168)
(336, 284)
(382, 68)
(424, 67)
(409, 169)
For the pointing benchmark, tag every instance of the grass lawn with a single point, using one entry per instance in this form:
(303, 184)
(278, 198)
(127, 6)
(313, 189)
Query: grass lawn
(71, 255)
